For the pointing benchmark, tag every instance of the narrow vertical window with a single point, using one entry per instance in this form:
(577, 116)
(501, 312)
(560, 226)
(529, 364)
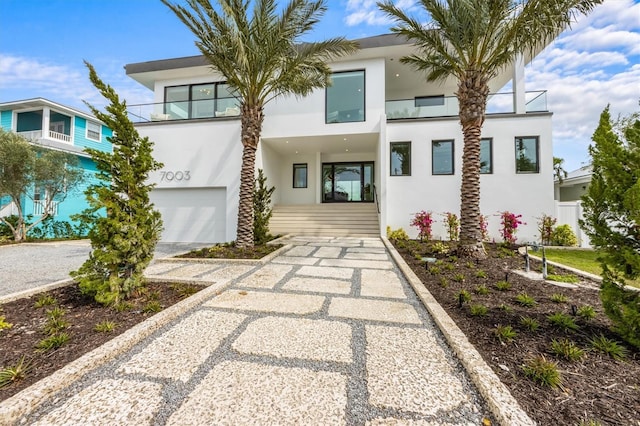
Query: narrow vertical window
(486, 156)
(400, 159)
(93, 131)
(527, 156)
(345, 97)
(300, 175)
(442, 157)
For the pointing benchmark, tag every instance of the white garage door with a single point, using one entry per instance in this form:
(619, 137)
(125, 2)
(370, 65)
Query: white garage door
(192, 214)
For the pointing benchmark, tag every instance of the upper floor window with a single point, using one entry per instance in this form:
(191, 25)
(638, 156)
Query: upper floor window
(93, 131)
(200, 101)
(345, 97)
(527, 156)
(400, 159)
(442, 157)
(486, 156)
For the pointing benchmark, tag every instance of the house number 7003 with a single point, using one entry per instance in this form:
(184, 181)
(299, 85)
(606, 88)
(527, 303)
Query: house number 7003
(177, 176)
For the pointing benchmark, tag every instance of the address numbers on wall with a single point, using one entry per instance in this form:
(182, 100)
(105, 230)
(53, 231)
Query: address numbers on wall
(175, 176)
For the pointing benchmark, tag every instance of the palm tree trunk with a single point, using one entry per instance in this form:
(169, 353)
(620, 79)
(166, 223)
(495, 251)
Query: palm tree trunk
(252, 118)
(472, 95)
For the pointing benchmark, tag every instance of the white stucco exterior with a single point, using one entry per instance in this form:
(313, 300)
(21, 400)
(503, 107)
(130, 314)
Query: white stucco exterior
(296, 131)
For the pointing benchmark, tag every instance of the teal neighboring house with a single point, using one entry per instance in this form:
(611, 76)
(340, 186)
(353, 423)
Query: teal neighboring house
(55, 126)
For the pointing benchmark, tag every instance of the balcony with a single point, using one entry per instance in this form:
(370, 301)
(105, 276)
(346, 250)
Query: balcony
(184, 110)
(40, 207)
(35, 135)
(447, 106)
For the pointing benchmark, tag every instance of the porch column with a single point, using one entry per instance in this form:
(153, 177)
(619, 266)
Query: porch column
(319, 188)
(519, 102)
(46, 120)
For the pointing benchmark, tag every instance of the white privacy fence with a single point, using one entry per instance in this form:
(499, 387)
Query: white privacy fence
(569, 212)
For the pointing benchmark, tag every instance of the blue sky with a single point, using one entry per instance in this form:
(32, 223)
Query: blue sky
(43, 44)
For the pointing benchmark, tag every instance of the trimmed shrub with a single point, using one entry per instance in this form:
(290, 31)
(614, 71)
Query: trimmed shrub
(563, 235)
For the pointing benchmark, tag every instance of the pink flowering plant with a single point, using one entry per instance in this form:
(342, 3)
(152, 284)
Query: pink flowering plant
(453, 225)
(484, 224)
(510, 223)
(423, 221)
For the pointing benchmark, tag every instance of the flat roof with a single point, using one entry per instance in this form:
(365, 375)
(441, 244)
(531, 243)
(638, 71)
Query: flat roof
(383, 40)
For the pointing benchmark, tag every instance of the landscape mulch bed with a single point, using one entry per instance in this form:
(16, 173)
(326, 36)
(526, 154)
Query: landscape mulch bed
(83, 314)
(229, 251)
(597, 388)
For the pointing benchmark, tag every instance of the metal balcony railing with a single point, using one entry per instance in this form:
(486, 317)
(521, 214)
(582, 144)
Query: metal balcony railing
(447, 106)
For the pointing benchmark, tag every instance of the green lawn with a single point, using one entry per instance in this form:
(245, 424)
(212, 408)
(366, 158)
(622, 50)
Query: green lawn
(585, 260)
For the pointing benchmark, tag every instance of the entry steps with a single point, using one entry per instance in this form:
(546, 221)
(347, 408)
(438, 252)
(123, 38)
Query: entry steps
(328, 219)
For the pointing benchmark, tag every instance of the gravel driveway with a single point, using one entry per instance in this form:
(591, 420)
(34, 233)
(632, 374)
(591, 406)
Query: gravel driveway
(31, 265)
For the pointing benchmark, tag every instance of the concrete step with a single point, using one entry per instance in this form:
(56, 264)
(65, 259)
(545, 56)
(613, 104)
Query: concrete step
(339, 219)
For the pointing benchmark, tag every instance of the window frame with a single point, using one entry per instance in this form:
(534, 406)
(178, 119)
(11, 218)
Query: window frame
(537, 145)
(99, 132)
(364, 97)
(306, 174)
(490, 140)
(190, 99)
(391, 144)
(453, 163)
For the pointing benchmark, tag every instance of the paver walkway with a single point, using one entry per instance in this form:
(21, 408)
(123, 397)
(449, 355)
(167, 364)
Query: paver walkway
(326, 333)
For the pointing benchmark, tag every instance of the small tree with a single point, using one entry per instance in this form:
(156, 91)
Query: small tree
(423, 221)
(23, 168)
(453, 225)
(612, 219)
(510, 222)
(559, 173)
(261, 208)
(124, 240)
(545, 227)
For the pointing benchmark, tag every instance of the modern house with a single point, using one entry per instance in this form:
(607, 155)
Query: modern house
(54, 126)
(368, 152)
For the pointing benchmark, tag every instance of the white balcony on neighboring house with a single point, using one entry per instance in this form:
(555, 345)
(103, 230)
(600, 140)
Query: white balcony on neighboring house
(40, 207)
(45, 125)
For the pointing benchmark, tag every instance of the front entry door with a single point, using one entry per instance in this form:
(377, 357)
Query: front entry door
(347, 182)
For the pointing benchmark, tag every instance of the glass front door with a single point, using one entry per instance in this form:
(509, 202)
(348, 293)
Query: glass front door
(347, 182)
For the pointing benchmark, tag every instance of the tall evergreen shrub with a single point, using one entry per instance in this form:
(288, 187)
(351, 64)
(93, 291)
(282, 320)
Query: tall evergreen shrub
(124, 240)
(612, 218)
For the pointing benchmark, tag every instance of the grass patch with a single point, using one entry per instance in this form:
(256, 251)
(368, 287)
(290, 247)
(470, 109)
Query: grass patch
(571, 279)
(52, 342)
(479, 310)
(105, 327)
(563, 321)
(529, 323)
(505, 334)
(45, 300)
(584, 260)
(524, 299)
(559, 298)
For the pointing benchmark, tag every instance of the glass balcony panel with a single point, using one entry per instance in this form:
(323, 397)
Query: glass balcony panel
(497, 103)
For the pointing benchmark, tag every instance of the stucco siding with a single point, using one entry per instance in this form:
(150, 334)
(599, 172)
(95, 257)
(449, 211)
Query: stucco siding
(503, 190)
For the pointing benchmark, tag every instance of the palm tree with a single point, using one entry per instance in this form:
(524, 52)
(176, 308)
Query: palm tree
(472, 41)
(559, 173)
(261, 57)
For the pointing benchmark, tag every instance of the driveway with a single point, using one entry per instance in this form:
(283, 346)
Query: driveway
(30, 265)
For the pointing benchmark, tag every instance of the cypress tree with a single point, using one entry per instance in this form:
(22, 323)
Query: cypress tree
(612, 218)
(123, 240)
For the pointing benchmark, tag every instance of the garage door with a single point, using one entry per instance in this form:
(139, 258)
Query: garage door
(192, 214)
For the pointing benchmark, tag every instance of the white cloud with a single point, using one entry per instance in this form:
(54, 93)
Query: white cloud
(367, 12)
(594, 64)
(64, 84)
(609, 37)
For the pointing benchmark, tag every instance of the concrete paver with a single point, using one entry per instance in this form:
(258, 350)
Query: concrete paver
(338, 342)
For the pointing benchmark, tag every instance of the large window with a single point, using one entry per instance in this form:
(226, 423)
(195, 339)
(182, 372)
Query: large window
(200, 101)
(93, 131)
(400, 158)
(486, 156)
(527, 157)
(442, 157)
(345, 97)
(300, 175)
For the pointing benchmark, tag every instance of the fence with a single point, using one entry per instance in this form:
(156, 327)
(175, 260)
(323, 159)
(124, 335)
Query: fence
(569, 212)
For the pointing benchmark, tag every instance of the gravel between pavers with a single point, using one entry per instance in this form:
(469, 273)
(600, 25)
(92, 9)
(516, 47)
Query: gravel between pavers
(227, 360)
